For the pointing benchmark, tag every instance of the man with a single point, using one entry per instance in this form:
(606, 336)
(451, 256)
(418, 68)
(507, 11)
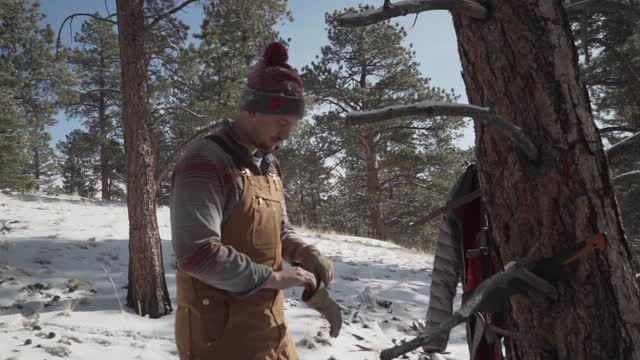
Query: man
(230, 230)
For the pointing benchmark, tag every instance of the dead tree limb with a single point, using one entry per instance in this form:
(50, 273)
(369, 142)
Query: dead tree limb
(434, 108)
(173, 158)
(497, 288)
(70, 18)
(624, 146)
(626, 176)
(449, 206)
(171, 109)
(402, 8)
(576, 9)
(168, 13)
(609, 129)
(103, 90)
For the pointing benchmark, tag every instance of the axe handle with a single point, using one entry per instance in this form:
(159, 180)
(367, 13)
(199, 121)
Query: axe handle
(596, 242)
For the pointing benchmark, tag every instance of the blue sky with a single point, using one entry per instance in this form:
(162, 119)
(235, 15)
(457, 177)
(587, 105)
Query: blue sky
(433, 38)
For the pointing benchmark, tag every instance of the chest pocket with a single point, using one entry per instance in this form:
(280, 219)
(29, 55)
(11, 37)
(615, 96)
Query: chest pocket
(267, 216)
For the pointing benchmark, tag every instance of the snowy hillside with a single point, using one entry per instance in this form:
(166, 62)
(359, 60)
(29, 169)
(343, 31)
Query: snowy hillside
(59, 254)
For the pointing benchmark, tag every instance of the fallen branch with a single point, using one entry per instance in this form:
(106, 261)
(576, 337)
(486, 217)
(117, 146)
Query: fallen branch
(403, 8)
(434, 108)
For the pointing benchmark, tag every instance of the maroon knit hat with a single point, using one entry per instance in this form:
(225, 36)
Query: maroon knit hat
(273, 87)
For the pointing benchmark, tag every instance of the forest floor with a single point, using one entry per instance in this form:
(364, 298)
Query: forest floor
(63, 276)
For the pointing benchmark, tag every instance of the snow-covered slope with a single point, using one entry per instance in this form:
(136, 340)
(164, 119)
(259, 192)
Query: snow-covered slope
(63, 259)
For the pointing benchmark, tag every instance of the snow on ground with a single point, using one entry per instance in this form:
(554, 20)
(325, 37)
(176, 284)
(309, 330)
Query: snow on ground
(62, 260)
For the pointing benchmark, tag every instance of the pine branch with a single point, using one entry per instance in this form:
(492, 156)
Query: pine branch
(403, 8)
(621, 58)
(333, 102)
(434, 108)
(168, 13)
(70, 17)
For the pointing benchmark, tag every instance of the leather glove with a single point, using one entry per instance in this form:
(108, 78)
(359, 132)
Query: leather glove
(320, 301)
(312, 261)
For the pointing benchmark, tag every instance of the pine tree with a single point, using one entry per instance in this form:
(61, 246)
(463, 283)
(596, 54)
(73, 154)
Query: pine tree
(234, 33)
(35, 77)
(548, 188)
(390, 174)
(77, 163)
(96, 65)
(12, 139)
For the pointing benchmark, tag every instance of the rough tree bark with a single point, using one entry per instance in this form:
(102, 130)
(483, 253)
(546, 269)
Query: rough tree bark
(147, 293)
(522, 63)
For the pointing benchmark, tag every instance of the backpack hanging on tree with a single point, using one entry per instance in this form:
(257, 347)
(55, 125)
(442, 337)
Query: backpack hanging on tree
(464, 253)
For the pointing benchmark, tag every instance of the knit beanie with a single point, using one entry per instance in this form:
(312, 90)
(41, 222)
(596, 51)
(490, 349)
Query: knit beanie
(273, 86)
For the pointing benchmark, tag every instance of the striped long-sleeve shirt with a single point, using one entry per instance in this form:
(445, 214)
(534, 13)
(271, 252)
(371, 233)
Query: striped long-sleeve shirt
(206, 187)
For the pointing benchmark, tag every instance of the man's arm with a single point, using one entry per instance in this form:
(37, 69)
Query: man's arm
(296, 252)
(292, 243)
(198, 197)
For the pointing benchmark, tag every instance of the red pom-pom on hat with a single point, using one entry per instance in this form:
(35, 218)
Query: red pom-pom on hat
(275, 54)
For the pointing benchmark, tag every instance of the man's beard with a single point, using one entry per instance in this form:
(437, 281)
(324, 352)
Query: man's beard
(267, 149)
(264, 147)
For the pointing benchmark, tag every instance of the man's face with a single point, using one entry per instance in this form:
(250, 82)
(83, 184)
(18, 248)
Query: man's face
(270, 130)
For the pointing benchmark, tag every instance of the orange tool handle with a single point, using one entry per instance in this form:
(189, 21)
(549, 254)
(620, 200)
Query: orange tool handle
(596, 242)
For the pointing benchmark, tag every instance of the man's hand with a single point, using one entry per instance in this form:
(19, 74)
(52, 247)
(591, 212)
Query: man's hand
(311, 260)
(292, 277)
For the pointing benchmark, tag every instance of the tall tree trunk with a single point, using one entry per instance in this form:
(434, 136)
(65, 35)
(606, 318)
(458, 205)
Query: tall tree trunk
(522, 62)
(105, 172)
(36, 165)
(147, 293)
(376, 216)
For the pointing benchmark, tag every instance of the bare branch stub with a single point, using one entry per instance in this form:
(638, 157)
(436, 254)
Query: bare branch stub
(434, 108)
(403, 8)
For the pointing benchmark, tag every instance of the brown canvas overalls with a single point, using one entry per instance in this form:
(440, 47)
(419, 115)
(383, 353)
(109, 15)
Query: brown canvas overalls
(212, 324)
